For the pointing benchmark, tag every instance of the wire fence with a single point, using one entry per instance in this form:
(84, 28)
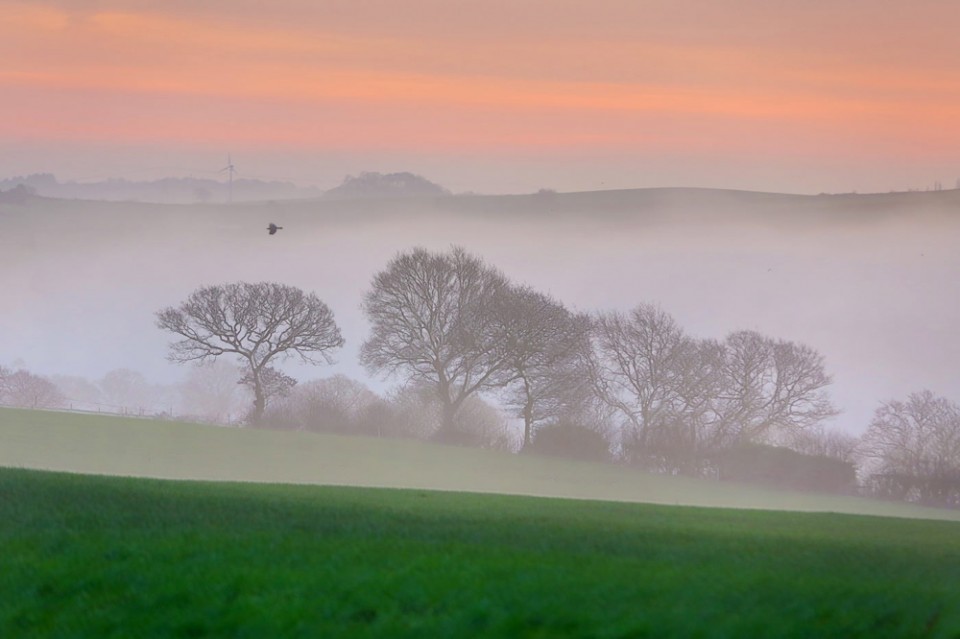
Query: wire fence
(95, 408)
(165, 413)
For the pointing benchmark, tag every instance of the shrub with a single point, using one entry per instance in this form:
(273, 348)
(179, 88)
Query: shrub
(571, 440)
(784, 468)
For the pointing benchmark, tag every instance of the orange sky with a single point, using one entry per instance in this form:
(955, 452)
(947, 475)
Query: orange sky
(496, 95)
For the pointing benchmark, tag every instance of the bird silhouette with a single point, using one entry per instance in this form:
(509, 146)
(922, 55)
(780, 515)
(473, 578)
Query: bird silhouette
(273, 228)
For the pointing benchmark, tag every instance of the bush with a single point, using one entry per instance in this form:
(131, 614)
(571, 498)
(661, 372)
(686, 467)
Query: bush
(567, 439)
(784, 468)
(941, 491)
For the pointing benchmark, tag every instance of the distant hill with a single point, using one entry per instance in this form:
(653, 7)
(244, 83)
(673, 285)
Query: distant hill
(167, 190)
(202, 190)
(403, 190)
(385, 185)
(376, 195)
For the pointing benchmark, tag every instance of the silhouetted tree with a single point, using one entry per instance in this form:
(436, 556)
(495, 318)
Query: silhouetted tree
(913, 449)
(769, 387)
(547, 349)
(655, 376)
(434, 322)
(257, 323)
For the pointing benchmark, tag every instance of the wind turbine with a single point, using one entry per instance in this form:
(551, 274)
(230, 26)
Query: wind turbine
(230, 169)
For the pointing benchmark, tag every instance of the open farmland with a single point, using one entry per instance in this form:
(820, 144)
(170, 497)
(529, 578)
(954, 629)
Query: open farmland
(96, 444)
(107, 557)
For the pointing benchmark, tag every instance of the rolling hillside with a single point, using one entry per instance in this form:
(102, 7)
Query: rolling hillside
(118, 557)
(146, 448)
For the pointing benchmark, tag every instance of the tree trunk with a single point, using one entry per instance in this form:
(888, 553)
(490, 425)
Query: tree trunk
(448, 408)
(528, 423)
(448, 418)
(527, 412)
(259, 400)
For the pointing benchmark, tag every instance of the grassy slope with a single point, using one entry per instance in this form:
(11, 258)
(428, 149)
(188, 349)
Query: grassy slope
(134, 447)
(112, 557)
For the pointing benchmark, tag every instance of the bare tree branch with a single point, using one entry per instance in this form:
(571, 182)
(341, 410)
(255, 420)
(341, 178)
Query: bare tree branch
(547, 349)
(433, 321)
(256, 322)
(770, 387)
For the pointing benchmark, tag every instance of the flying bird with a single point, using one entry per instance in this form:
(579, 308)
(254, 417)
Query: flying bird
(273, 228)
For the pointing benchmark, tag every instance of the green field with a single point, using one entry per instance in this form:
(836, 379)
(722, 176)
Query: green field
(90, 556)
(136, 447)
(100, 556)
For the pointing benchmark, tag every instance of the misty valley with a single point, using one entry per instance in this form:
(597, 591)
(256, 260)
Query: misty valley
(663, 328)
(739, 354)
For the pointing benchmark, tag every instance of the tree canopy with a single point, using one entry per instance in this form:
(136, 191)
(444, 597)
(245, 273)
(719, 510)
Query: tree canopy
(434, 321)
(258, 323)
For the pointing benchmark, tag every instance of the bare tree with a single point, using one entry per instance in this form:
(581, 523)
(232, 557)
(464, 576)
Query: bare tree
(646, 368)
(547, 350)
(916, 445)
(26, 390)
(259, 324)
(434, 322)
(769, 387)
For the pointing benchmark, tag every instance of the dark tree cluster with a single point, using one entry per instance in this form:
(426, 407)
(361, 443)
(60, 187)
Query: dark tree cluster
(681, 399)
(912, 450)
(451, 323)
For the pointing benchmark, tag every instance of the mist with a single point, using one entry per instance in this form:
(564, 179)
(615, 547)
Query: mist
(866, 280)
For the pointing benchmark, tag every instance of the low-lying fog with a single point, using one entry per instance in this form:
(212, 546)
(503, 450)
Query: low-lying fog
(869, 281)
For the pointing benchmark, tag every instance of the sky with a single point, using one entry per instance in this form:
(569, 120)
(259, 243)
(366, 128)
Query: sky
(493, 96)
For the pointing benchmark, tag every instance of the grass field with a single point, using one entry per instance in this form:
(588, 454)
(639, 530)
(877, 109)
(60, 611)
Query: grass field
(170, 450)
(87, 556)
